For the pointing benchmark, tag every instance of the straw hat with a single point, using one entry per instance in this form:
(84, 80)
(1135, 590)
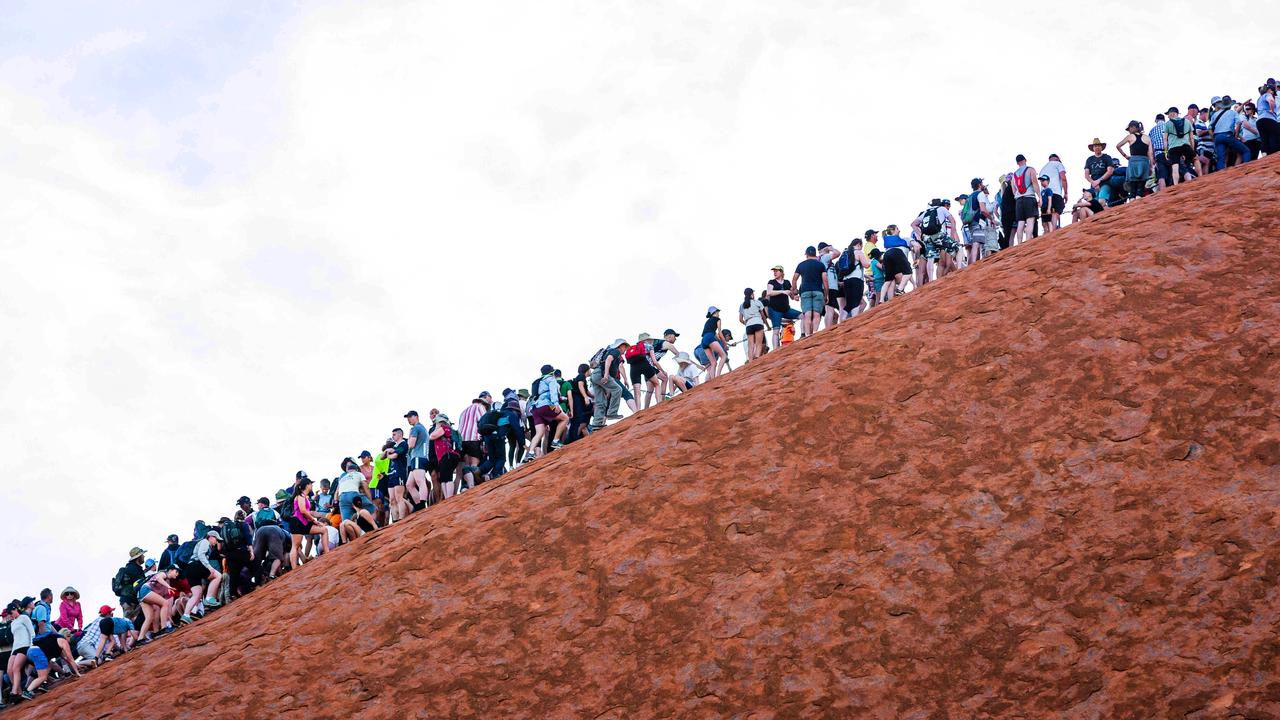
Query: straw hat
(1097, 141)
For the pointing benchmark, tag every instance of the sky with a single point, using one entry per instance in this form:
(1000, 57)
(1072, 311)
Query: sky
(241, 239)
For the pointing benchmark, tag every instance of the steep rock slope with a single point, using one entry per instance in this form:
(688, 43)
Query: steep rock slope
(1046, 487)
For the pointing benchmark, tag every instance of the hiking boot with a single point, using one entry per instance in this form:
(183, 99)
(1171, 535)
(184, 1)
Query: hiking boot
(211, 603)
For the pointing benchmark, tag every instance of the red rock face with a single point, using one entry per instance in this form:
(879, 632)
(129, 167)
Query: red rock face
(1044, 487)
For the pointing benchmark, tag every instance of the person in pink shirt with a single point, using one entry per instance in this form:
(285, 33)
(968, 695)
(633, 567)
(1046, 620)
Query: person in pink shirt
(69, 615)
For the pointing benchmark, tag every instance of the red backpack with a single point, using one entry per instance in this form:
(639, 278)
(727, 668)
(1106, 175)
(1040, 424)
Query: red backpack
(443, 445)
(1020, 180)
(638, 350)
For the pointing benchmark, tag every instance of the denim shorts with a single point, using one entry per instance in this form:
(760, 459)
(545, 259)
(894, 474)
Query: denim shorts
(812, 301)
(775, 317)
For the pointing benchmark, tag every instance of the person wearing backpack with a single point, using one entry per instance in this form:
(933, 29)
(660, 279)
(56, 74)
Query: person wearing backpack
(493, 436)
(1026, 206)
(546, 413)
(446, 456)
(236, 540)
(1180, 139)
(1224, 127)
(122, 585)
(606, 376)
(936, 229)
(976, 217)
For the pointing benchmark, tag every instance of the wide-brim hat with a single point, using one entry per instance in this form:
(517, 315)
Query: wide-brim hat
(68, 590)
(136, 553)
(1096, 142)
(683, 359)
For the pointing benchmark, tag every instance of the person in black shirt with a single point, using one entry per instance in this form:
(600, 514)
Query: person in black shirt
(397, 451)
(777, 298)
(1098, 169)
(580, 400)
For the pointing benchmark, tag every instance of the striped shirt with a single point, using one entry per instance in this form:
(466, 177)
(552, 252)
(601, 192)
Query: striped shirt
(469, 422)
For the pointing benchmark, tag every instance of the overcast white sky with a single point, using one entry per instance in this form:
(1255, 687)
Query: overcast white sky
(239, 239)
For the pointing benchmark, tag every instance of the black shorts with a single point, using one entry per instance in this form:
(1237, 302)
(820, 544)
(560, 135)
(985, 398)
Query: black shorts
(755, 330)
(296, 526)
(833, 298)
(390, 481)
(853, 288)
(196, 572)
(473, 448)
(1057, 204)
(642, 372)
(895, 263)
(419, 463)
(1182, 154)
(1025, 208)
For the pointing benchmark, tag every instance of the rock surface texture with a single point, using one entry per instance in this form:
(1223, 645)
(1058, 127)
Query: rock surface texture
(1045, 487)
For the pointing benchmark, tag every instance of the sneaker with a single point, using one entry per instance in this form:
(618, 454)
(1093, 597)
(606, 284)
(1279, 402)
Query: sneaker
(557, 444)
(186, 620)
(210, 602)
(166, 631)
(26, 695)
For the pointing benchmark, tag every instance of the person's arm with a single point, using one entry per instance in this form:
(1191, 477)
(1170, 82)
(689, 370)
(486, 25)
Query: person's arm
(1062, 175)
(952, 222)
(1088, 179)
(1107, 175)
(1121, 145)
(1151, 153)
(413, 441)
(202, 555)
(915, 225)
(795, 280)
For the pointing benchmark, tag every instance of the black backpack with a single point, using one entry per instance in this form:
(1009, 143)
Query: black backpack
(1179, 127)
(930, 223)
(6, 635)
(533, 388)
(488, 423)
(122, 587)
(186, 551)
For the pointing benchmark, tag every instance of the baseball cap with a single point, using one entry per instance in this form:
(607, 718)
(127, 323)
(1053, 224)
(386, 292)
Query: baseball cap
(106, 610)
(300, 475)
(484, 394)
(366, 454)
(669, 331)
(975, 183)
(243, 499)
(1044, 178)
(810, 250)
(172, 538)
(866, 235)
(547, 368)
(713, 309)
(263, 500)
(823, 246)
(778, 267)
(1172, 109)
(411, 413)
(25, 602)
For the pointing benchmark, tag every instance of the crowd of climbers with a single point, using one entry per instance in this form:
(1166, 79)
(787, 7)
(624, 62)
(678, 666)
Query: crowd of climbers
(434, 459)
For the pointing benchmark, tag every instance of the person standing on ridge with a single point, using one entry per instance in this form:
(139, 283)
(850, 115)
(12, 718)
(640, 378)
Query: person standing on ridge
(419, 464)
(852, 267)
(828, 255)
(659, 350)
(711, 345)
(472, 443)
(396, 453)
(1025, 192)
(1180, 136)
(1206, 161)
(1141, 158)
(1057, 173)
(897, 268)
(1159, 162)
(1224, 127)
(546, 414)
(778, 297)
(606, 379)
(937, 230)
(811, 277)
(1268, 118)
(752, 317)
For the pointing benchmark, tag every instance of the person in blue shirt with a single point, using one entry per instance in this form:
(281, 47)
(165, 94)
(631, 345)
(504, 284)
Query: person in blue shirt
(41, 616)
(1046, 205)
(897, 268)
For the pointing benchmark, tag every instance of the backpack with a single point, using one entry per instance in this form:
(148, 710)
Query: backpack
(930, 223)
(265, 517)
(1179, 127)
(122, 588)
(598, 359)
(971, 212)
(186, 551)
(638, 350)
(443, 445)
(286, 510)
(844, 263)
(488, 423)
(457, 441)
(1020, 181)
(201, 530)
(6, 635)
(233, 535)
(117, 583)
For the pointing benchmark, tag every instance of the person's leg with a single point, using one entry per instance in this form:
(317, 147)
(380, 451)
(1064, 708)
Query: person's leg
(614, 398)
(1220, 148)
(147, 617)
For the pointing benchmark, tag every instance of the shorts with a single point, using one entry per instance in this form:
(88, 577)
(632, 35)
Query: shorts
(390, 481)
(895, 263)
(38, 659)
(1057, 204)
(853, 288)
(196, 572)
(755, 330)
(938, 244)
(776, 316)
(146, 589)
(419, 463)
(473, 448)
(811, 301)
(1025, 208)
(297, 527)
(546, 415)
(626, 392)
(642, 372)
(1182, 154)
(833, 298)
(707, 339)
